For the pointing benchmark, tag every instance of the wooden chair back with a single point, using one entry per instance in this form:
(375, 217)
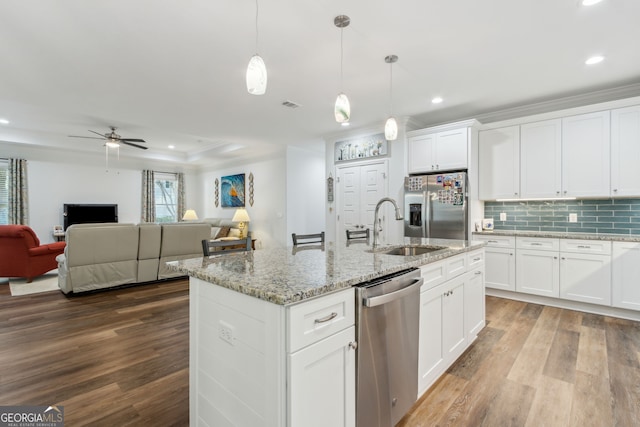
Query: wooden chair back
(303, 239)
(220, 247)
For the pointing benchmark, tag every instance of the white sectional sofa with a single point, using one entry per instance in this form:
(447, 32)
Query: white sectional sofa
(105, 255)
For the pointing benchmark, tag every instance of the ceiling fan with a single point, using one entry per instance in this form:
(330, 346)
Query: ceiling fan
(113, 139)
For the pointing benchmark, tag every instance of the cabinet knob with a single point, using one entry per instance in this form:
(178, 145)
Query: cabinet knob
(555, 257)
(557, 192)
(353, 345)
(478, 272)
(515, 194)
(565, 191)
(437, 166)
(615, 190)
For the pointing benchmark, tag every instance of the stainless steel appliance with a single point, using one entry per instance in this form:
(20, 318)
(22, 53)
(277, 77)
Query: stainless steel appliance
(387, 318)
(436, 205)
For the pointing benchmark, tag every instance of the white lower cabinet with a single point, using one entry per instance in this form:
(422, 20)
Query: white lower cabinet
(538, 272)
(586, 278)
(321, 390)
(625, 275)
(500, 261)
(451, 315)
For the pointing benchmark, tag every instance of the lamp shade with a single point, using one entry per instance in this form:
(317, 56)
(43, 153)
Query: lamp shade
(391, 129)
(256, 76)
(342, 110)
(241, 215)
(190, 215)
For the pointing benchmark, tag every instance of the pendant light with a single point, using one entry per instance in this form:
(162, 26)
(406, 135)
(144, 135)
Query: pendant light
(256, 71)
(391, 126)
(342, 109)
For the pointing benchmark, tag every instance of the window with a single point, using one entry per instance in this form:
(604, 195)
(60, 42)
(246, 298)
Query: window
(166, 195)
(4, 192)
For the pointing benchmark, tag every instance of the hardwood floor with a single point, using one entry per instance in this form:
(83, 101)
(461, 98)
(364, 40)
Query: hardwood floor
(120, 358)
(539, 366)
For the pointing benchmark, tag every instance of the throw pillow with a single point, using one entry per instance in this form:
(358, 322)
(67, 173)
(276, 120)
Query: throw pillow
(214, 232)
(224, 232)
(234, 232)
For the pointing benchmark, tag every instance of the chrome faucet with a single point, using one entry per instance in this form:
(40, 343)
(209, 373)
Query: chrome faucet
(376, 231)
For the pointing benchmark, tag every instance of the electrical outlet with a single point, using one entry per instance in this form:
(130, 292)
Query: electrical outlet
(503, 216)
(226, 332)
(573, 217)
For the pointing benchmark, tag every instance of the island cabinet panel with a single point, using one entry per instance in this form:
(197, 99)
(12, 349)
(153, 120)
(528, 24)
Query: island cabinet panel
(244, 370)
(451, 314)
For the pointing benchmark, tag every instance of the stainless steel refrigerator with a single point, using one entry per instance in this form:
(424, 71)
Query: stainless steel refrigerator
(435, 205)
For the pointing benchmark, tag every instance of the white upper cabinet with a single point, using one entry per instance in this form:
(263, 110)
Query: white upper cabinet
(499, 163)
(625, 152)
(439, 151)
(586, 155)
(541, 159)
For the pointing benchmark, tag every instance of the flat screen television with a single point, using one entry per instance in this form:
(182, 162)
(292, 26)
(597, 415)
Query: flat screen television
(83, 214)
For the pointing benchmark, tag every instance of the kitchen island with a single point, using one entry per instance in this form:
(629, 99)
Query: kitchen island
(272, 335)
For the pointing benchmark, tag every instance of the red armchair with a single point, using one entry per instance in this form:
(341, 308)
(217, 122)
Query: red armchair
(21, 254)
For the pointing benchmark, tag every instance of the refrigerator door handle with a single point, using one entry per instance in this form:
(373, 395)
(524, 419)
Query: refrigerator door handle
(426, 202)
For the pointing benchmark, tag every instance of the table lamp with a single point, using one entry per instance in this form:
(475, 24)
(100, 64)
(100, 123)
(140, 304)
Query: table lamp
(190, 215)
(241, 216)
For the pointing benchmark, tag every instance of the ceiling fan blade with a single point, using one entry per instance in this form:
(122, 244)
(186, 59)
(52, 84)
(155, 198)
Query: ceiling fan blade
(93, 131)
(88, 137)
(132, 140)
(133, 145)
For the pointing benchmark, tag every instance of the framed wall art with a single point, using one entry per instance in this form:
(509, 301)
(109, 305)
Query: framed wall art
(361, 148)
(232, 191)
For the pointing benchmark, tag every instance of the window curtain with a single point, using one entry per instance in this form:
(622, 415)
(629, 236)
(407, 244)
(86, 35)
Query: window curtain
(18, 192)
(148, 197)
(181, 198)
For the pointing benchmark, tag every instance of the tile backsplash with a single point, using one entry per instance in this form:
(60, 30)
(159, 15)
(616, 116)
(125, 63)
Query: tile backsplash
(614, 216)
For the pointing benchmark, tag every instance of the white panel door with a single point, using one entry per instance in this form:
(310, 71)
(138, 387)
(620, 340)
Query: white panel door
(541, 159)
(586, 155)
(586, 278)
(499, 163)
(322, 383)
(421, 153)
(360, 187)
(454, 335)
(625, 152)
(538, 272)
(451, 149)
(474, 303)
(500, 268)
(430, 350)
(625, 275)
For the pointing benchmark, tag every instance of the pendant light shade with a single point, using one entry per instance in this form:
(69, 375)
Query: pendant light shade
(256, 70)
(391, 126)
(391, 129)
(342, 109)
(256, 76)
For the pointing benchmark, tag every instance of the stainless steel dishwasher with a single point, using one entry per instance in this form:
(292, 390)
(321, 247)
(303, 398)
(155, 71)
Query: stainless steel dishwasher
(387, 317)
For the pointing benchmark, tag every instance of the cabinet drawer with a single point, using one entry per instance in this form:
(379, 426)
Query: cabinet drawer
(475, 259)
(310, 321)
(586, 246)
(456, 265)
(538, 243)
(433, 274)
(496, 241)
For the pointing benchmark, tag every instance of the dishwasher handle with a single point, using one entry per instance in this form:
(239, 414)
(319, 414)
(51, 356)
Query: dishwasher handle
(392, 296)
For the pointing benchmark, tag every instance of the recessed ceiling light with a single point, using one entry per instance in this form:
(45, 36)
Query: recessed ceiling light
(436, 100)
(590, 2)
(171, 147)
(594, 60)
(4, 121)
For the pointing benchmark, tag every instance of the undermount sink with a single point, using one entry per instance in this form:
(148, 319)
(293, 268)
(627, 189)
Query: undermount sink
(413, 250)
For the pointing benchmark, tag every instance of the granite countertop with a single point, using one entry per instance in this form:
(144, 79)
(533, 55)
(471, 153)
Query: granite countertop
(559, 235)
(288, 275)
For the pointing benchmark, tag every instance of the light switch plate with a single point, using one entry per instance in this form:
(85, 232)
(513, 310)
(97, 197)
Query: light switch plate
(503, 216)
(573, 217)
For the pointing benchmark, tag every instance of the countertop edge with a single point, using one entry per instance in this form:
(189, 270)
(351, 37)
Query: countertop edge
(560, 235)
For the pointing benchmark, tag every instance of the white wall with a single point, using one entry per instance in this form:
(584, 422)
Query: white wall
(56, 178)
(268, 214)
(306, 191)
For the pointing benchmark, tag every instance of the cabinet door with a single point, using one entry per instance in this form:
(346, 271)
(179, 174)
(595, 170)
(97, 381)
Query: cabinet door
(499, 163)
(322, 383)
(585, 155)
(474, 303)
(430, 350)
(625, 152)
(450, 149)
(421, 153)
(537, 272)
(453, 332)
(500, 268)
(625, 272)
(586, 278)
(540, 159)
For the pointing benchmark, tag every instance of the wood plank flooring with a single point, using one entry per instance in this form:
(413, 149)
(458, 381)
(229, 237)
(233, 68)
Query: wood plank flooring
(120, 358)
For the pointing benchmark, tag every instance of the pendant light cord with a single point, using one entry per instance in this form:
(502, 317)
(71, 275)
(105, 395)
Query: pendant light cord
(341, 59)
(256, 27)
(391, 88)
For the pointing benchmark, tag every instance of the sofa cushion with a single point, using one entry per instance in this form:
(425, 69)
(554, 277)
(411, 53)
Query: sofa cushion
(223, 232)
